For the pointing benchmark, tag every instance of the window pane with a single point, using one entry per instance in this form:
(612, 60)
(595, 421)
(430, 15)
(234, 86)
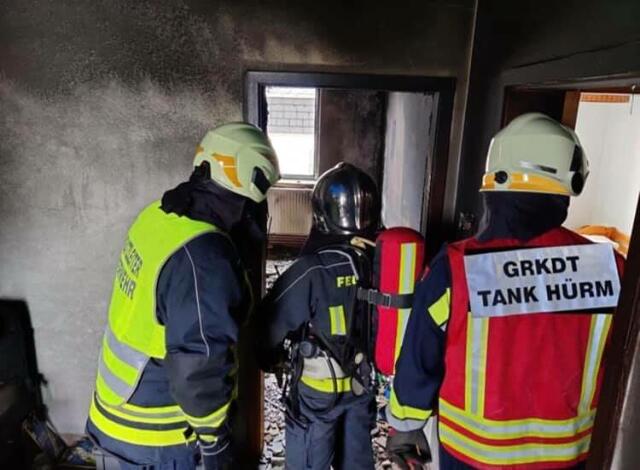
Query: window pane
(291, 128)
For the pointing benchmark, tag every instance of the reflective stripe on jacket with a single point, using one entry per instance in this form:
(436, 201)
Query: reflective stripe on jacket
(519, 391)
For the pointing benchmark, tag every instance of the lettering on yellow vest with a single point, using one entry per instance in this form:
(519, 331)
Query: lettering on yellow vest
(346, 281)
(132, 257)
(128, 269)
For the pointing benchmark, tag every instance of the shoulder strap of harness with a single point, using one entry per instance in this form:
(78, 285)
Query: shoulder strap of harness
(375, 297)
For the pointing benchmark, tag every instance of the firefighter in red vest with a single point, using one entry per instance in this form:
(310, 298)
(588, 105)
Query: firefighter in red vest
(507, 332)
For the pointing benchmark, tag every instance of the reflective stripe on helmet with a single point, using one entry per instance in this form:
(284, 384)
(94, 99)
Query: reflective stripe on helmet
(535, 153)
(525, 182)
(241, 159)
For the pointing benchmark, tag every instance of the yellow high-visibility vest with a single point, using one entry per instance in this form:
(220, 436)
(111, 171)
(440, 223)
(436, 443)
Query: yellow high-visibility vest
(134, 335)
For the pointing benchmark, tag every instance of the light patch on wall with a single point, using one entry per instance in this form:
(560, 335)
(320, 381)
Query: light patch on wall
(608, 131)
(74, 170)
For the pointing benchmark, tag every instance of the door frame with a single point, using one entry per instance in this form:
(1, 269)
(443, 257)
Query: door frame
(250, 433)
(443, 89)
(621, 382)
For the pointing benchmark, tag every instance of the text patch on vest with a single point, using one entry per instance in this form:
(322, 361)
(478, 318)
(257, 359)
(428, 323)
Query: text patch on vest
(542, 280)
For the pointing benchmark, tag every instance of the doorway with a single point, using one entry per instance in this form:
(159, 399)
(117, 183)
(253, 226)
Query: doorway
(357, 119)
(394, 128)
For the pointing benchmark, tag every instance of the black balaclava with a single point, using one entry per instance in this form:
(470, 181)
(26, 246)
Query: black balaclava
(522, 216)
(202, 199)
(318, 240)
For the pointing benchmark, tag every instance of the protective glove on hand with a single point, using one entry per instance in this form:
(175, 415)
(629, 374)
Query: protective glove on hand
(409, 450)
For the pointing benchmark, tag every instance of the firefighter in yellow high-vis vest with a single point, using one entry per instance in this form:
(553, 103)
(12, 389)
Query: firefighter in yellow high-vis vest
(166, 374)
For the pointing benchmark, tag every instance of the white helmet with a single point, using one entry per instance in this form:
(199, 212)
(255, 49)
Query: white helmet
(536, 154)
(241, 159)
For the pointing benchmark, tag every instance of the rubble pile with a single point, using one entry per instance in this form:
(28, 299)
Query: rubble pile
(274, 270)
(273, 450)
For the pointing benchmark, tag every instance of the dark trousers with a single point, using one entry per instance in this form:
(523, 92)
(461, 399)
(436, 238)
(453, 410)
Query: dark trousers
(186, 464)
(338, 438)
(214, 457)
(105, 461)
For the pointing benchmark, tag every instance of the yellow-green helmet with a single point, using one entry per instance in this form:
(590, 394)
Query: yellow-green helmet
(536, 154)
(241, 159)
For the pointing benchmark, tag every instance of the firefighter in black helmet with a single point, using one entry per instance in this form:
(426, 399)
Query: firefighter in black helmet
(313, 307)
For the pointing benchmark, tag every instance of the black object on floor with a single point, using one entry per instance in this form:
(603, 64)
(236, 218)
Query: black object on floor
(20, 381)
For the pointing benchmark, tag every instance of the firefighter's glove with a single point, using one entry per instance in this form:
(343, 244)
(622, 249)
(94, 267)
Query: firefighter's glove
(409, 450)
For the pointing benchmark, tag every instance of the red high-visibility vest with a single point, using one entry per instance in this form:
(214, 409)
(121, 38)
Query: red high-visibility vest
(519, 391)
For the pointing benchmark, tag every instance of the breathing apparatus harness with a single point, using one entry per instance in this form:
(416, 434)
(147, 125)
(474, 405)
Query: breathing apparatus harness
(353, 353)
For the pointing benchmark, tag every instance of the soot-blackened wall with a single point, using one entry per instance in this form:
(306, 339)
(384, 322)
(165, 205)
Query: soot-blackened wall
(102, 104)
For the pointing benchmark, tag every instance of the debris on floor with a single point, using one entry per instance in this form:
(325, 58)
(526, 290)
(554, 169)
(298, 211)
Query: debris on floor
(381, 431)
(273, 451)
(274, 269)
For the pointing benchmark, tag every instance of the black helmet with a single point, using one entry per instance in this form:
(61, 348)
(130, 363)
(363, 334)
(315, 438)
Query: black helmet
(345, 201)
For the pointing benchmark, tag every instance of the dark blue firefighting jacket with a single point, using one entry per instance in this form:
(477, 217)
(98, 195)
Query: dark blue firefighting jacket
(202, 298)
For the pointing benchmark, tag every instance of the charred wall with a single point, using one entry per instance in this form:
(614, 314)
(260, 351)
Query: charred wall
(102, 104)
